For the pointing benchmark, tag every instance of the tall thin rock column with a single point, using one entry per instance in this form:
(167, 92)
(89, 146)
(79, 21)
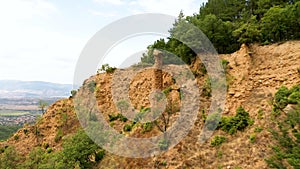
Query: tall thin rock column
(158, 82)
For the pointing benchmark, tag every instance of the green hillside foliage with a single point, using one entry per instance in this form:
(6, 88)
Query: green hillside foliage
(228, 24)
(79, 151)
(285, 96)
(7, 131)
(286, 151)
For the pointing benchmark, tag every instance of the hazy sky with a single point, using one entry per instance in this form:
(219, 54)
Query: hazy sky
(42, 39)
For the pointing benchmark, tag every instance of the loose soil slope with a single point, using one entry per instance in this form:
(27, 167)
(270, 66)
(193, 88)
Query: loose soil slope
(254, 74)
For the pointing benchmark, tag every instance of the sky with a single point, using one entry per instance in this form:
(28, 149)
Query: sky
(41, 40)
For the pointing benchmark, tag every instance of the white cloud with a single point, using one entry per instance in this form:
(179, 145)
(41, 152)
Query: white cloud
(14, 10)
(39, 54)
(31, 51)
(36, 44)
(112, 2)
(103, 14)
(171, 7)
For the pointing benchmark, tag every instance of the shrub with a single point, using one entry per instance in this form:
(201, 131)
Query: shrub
(92, 86)
(36, 131)
(294, 98)
(286, 151)
(252, 138)
(64, 117)
(49, 150)
(284, 96)
(73, 93)
(240, 121)
(99, 155)
(281, 99)
(16, 137)
(147, 127)
(202, 68)
(127, 127)
(260, 114)
(112, 117)
(25, 131)
(181, 94)
(112, 124)
(122, 118)
(119, 116)
(217, 141)
(45, 145)
(206, 89)
(2, 149)
(106, 68)
(9, 158)
(163, 163)
(219, 154)
(258, 129)
(203, 115)
(167, 90)
(58, 135)
(77, 151)
(195, 73)
(224, 64)
(163, 144)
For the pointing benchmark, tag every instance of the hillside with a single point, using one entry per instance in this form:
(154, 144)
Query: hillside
(254, 74)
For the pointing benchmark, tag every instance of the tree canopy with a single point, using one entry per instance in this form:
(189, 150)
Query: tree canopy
(228, 24)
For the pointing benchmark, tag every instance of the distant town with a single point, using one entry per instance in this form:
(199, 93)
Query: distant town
(17, 120)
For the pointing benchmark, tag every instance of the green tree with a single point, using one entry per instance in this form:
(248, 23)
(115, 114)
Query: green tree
(218, 32)
(9, 158)
(42, 105)
(274, 24)
(228, 24)
(248, 32)
(78, 149)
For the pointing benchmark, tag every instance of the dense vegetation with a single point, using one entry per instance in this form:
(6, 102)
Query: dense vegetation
(286, 153)
(287, 150)
(229, 124)
(284, 96)
(7, 131)
(79, 151)
(228, 24)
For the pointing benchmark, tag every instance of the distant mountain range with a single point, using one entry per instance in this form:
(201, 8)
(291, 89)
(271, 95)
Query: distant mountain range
(33, 89)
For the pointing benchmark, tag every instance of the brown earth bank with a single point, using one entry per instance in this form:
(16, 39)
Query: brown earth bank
(254, 73)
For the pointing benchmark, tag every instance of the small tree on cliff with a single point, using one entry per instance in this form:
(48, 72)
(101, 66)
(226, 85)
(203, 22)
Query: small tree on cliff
(42, 105)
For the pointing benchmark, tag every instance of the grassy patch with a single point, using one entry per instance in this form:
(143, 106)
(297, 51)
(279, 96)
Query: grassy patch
(217, 141)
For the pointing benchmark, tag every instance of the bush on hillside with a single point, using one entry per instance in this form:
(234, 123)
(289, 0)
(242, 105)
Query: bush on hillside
(106, 68)
(217, 141)
(284, 96)
(231, 124)
(286, 151)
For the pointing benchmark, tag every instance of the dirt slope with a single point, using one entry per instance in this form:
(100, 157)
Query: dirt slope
(254, 74)
(58, 121)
